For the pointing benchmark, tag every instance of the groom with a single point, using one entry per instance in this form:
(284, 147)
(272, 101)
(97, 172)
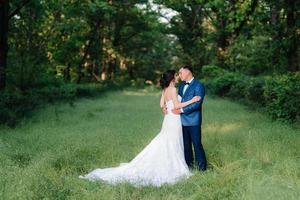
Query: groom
(191, 117)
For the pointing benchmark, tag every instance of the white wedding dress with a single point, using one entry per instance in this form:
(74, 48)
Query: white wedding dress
(160, 162)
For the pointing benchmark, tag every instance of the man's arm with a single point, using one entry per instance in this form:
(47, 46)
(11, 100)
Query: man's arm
(199, 91)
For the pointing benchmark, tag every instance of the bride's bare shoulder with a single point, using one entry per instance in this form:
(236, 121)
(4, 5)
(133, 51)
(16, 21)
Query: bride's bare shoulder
(173, 89)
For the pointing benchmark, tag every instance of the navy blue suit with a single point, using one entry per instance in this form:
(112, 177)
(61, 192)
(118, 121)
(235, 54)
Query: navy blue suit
(191, 119)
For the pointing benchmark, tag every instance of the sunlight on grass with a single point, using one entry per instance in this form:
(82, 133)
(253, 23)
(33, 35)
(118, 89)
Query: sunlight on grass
(250, 157)
(224, 128)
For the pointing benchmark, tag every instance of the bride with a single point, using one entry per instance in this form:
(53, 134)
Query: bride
(162, 160)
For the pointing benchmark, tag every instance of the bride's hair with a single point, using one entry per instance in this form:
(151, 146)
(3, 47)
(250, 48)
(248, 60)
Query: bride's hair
(166, 78)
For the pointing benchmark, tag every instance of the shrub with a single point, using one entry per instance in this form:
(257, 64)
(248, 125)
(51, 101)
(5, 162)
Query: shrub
(222, 82)
(211, 71)
(279, 93)
(14, 105)
(222, 85)
(254, 90)
(282, 95)
(238, 87)
(138, 82)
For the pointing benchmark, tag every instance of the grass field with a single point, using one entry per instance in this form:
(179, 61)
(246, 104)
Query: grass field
(250, 157)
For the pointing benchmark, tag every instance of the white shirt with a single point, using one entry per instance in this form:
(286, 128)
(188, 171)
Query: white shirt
(185, 88)
(187, 85)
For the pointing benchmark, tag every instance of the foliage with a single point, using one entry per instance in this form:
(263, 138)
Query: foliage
(14, 106)
(282, 94)
(279, 94)
(252, 57)
(54, 43)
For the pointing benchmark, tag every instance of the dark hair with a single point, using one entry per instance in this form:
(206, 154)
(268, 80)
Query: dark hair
(188, 67)
(166, 78)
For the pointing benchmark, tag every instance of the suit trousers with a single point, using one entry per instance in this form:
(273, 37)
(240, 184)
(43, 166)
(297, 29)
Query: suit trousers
(192, 137)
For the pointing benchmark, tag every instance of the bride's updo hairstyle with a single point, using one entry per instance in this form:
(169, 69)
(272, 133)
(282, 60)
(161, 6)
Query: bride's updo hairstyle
(166, 78)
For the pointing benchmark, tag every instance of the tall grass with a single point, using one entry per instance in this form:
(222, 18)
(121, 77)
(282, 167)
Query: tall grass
(250, 156)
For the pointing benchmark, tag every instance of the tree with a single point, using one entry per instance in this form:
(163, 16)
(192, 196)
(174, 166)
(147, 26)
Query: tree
(228, 18)
(187, 26)
(5, 16)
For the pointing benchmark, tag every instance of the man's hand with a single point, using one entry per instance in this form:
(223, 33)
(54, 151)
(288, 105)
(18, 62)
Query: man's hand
(176, 111)
(164, 109)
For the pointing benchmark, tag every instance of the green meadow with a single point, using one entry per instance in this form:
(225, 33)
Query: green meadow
(250, 156)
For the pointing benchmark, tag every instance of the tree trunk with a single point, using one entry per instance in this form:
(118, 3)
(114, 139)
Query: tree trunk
(222, 42)
(91, 41)
(66, 71)
(4, 18)
(292, 51)
(276, 35)
(79, 67)
(103, 71)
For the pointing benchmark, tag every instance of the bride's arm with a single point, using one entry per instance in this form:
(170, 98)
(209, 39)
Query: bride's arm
(178, 104)
(162, 100)
(162, 104)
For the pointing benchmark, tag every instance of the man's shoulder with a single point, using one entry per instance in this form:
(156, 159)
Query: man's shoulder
(198, 83)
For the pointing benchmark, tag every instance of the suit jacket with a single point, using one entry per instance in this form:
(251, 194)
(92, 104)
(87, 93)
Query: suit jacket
(192, 114)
